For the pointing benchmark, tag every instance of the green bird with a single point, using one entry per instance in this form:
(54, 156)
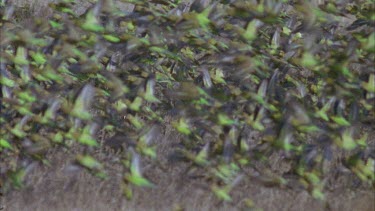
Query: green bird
(135, 176)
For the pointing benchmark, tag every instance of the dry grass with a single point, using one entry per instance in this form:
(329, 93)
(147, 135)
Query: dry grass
(59, 188)
(39, 8)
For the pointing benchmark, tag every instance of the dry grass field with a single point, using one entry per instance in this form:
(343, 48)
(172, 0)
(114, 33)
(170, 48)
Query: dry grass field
(62, 187)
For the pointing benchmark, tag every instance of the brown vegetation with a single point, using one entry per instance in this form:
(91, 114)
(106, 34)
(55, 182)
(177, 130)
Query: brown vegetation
(62, 186)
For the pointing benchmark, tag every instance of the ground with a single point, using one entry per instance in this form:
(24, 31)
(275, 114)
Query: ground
(62, 187)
